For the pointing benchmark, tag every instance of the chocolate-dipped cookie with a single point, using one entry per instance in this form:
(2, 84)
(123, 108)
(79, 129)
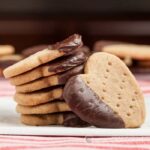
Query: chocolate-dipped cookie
(58, 79)
(59, 49)
(54, 67)
(68, 119)
(107, 95)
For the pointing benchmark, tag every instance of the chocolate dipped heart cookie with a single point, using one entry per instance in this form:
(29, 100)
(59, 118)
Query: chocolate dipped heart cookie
(107, 95)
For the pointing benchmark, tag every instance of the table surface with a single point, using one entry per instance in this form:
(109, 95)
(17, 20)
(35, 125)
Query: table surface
(13, 142)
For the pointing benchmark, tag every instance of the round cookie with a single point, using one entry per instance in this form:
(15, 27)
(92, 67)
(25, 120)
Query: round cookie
(6, 50)
(99, 45)
(123, 50)
(68, 119)
(107, 92)
(34, 49)
(134, 51)
(58, 79)
(60, 49)
(39, 97)
(46, 108)
(52, 68)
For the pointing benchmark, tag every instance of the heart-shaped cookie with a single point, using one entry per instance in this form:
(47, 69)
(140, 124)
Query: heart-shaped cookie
(107, 95)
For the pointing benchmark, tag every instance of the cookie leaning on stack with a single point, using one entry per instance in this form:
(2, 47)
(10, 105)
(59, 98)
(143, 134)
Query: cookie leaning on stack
(39, 81)
(107, 92)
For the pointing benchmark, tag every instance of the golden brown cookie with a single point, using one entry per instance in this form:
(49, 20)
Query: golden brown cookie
(66, 119)
(54, 67)
(124, 50)
(60, 49)
(107, 92)
(39, 97)
(50, 81)
(46, 108)
(6, 50)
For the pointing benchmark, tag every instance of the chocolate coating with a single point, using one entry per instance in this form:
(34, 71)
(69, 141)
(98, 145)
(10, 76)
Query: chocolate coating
(72, 120)
(63, 78)
(88, 106)
(68, 45)
(69, 62)
(34, 49)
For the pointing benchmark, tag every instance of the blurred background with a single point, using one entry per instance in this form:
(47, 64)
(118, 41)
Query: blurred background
(24, 23)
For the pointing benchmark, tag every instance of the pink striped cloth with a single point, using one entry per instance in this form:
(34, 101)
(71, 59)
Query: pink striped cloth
(73, 143)
(12, 142)
(8, 90)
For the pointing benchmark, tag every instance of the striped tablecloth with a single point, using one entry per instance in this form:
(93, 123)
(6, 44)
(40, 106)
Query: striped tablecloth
(12, 142)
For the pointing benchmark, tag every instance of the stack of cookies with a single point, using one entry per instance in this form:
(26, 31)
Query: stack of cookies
(7, 57)
(40, 78)
(136, 56)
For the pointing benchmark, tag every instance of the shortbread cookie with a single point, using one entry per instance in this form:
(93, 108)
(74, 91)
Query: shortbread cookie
(123, 50)
(107, 92)
(34, 49)
(66, 119)
(6, 50)
(60, 49)
(39, 97)
(46, 108)
(52, 68)
(99, 45)
(50, 81)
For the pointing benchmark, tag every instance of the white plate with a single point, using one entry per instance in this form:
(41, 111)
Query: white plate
(9, 124)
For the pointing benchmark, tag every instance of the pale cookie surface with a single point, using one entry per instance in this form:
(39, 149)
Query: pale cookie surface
(54, 67)
(39, 97)
(44, 56)
(137, 52)
(46, 108)
(119, 87)
(50, 81)
(66, 119)
(6, 50)
(109, 91)
(11, 57)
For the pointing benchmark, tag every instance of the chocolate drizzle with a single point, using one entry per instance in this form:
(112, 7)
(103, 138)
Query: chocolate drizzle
(88, 106)
(63, 78)
(69, 62)
(68, 45)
